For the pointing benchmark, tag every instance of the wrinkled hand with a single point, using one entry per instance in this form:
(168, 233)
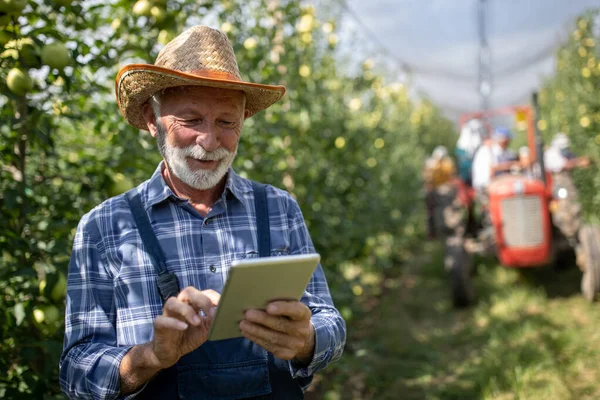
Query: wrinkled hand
(180, 329)
(284, 329)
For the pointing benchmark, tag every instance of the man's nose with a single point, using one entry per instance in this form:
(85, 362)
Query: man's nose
(208, 138)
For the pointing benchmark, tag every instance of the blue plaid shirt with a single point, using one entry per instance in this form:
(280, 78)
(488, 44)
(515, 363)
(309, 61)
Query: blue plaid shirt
(112, 297)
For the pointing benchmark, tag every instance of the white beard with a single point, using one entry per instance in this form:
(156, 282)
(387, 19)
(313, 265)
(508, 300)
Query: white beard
(176, 159)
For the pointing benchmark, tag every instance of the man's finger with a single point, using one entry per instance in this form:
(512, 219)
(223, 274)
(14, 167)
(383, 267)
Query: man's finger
(274, 322)
(196, 299)
(214, 296)
(279, 352)
(175, 308)
(167, 323)
(294, 310)
(271, 338)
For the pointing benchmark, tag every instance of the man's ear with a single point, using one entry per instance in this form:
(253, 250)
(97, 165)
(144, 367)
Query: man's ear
(246, 113)
(150, 118)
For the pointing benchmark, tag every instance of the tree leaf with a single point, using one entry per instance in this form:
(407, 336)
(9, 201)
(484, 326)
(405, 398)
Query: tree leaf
(19, 313)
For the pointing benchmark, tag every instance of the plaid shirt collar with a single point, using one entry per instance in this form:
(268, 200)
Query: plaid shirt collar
(158, 191)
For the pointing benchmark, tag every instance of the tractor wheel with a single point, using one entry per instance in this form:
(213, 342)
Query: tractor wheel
(458, 264)
(567, 215)
(588, 259)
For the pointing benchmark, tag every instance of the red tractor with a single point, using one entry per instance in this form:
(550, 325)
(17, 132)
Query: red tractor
(528, 222)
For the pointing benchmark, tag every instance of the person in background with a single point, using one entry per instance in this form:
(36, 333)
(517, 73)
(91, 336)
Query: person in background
(493, 158)
(471, 138)
(528, 168)
(506, 158)
(439, 169)
(559, 157)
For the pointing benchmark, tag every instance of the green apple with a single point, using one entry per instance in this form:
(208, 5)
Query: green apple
(116, 23)
(47, 319)
(51, 314)
(19, 82)
(60, 288)
(164, 37)
(158, 13)
(56, 55)
(38, 315)
(142, 7)
(346, 313)
(42, 286)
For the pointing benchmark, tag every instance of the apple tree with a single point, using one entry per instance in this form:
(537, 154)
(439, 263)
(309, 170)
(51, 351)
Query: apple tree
(569, 103)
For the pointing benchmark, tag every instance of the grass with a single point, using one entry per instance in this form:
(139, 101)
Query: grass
(529, 336)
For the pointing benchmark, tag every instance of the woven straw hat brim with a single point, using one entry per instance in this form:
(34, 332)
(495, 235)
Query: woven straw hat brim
(136, 83)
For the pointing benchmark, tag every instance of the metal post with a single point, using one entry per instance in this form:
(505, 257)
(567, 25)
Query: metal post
(539, 141)
(485, 57)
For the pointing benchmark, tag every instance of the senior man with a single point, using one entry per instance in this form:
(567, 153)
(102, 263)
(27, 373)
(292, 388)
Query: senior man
(125, 336)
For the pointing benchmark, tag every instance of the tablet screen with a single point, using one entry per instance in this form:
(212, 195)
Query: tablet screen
(254, 283)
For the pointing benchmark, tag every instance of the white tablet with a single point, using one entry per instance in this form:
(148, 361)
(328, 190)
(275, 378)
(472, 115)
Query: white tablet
(254, 283)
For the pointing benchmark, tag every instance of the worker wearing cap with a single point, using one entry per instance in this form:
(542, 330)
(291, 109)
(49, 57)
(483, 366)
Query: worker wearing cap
(559, 157)
(506, 157)
(493, 158)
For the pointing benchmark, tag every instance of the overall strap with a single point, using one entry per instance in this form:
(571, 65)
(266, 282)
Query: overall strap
(283, 386)
(166, 282)
(263, 229)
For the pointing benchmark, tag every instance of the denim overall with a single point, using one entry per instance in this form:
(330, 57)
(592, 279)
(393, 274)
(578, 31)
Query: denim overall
(224, 369)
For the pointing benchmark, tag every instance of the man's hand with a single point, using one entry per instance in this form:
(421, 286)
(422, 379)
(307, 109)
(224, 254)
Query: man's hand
(284, 330)
(583, 162)
(181, 329)
(579, 162)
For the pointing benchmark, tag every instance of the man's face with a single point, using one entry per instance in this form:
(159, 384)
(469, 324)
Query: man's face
(198, 133)
(504, 143)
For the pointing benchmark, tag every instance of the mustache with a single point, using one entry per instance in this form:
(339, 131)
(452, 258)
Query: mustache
(199, 153)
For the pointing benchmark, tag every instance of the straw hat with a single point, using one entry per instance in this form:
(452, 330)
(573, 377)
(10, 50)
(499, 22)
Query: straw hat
(200, 56)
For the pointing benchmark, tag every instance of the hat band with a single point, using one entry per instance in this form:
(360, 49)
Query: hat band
(211, 74)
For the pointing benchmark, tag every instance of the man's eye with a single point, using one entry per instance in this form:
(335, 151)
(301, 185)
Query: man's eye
(227, 123)
(193, 121)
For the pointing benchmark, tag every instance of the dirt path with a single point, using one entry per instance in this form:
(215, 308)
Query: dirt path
(530, 336)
